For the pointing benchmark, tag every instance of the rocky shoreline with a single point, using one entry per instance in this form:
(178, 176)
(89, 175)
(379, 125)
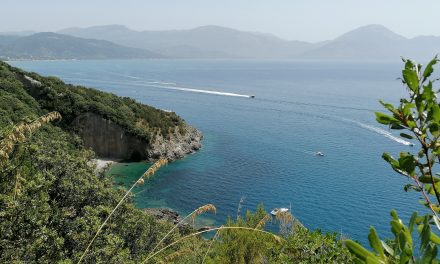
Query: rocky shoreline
(177, 146)
(164, 214)
(168, 215)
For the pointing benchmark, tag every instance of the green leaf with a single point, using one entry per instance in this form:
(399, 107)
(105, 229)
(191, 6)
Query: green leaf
(406, 136)
(407, 163)
(436, 221)
(425, 233)
(359, 251)
(394, 215)
(375, 242)
(434, 114)
(385, 119)
(411, 124)
(388, 158)
(412, 221)
(406, 255)
(387, 248)
(411, 79)
(407, 108)
(388, 106)
(372, 260)
(428, 179)
(430, 254)
(434, 128)
(429, 69)
(409, 187)
(434, 238)
(396, 126)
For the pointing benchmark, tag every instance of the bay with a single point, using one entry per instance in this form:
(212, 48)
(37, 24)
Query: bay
(263, 148)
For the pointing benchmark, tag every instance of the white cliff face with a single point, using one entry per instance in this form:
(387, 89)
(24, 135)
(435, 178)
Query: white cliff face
(110, 140)
(177, 146)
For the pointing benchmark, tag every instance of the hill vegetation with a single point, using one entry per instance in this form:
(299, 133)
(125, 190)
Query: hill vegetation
(47, 45)
(52, 94)
(52, 201)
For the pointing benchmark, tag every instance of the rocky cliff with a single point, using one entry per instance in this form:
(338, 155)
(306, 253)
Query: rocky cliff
(110, 140)
(114, 127)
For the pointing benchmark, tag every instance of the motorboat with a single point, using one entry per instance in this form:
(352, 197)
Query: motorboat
(275, 211)
(319, 153)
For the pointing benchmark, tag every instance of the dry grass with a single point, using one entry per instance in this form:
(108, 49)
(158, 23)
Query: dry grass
(263, 221)
(275, 237)
(20, 132)
(175, 255)
(150, 172)
(15, 138)
(155, 167)
(210, 245)
(193, 215)
(202, 210)
(240, 204)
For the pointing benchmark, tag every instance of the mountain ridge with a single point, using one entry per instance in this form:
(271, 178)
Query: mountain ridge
(371, 42)
(50, 45)
(367, 43)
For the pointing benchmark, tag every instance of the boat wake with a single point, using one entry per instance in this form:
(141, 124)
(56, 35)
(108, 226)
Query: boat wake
(164, 85)
(185, 89)
(386, 134)
(380, 131)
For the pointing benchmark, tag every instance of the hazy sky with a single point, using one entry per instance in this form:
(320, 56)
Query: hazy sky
(310, 20)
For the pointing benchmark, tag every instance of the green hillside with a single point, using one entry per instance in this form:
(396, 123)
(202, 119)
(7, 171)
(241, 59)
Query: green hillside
(52, 201)
(52, 94)
(49, 45)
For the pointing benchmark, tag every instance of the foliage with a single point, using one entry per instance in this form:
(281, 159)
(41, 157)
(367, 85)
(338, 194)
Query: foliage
(419, 116)
(299, 245)
(71, 101)
(52, 202)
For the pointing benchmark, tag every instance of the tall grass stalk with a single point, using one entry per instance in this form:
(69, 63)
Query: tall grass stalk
(193, 215)
(150, 172)
(210, 245)
(21, 132)
(240, 204)
(277, 238)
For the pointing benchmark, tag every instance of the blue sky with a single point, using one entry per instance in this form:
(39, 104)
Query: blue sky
(310, 20)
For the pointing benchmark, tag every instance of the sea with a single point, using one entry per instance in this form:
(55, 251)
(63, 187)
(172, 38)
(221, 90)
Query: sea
(263, 149)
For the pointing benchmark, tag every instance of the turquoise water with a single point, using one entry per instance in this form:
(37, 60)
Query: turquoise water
(263, 148)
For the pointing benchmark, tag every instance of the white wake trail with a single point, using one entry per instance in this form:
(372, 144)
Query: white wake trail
(185, 89)
(380, 131)
(160, 85)
(386, 134)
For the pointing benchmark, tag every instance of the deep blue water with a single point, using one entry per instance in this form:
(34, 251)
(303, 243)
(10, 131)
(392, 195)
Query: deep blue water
(263, 148)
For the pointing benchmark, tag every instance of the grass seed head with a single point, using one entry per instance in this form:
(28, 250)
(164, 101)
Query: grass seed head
(203, 209)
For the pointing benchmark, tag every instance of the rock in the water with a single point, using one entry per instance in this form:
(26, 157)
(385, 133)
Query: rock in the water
(177, 146)
(164, 214)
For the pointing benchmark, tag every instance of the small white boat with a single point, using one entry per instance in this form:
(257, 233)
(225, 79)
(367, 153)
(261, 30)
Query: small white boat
(319, 153)
(278, 210)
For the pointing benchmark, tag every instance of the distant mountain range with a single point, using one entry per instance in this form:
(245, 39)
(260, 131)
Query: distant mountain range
(49, 45)
(368, 43)
(201, 42)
